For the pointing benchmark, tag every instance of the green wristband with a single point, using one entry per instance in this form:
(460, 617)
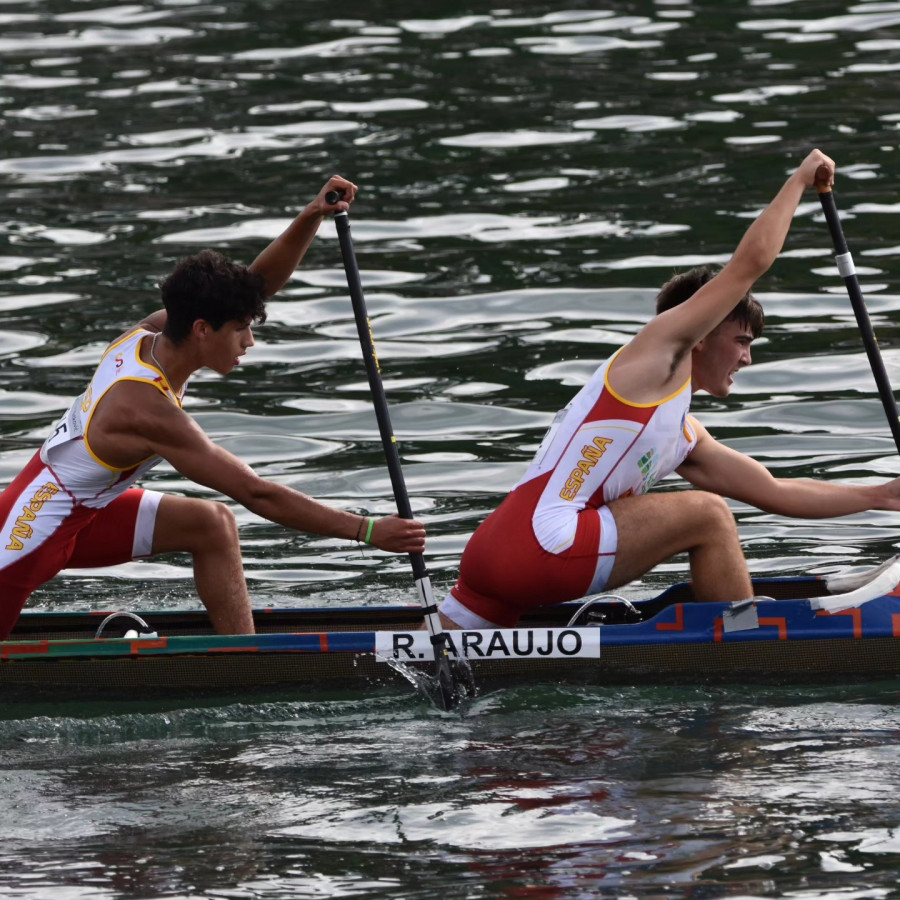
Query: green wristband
(368, 537)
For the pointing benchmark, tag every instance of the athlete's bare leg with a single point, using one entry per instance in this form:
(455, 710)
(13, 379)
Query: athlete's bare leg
(654, 527)
(207, 530)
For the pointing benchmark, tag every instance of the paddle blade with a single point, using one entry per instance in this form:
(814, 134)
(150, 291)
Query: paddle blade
(454, 682)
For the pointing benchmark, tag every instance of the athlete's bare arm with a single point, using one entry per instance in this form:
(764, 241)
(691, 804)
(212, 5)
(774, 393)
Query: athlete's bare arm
(135, 421)
(658, 360)
(280, 259)
(721, 470)
(283, 255)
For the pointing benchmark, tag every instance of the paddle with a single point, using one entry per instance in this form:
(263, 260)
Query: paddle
(848, 272)
(453, 677)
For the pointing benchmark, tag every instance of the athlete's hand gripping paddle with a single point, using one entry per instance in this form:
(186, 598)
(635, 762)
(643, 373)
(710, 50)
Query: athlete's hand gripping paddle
(453, 676)
(848, 272)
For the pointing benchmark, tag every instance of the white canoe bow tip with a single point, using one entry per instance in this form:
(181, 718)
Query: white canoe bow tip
(853, 590)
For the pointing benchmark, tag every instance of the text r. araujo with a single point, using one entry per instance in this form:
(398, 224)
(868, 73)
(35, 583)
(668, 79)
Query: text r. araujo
(500, 643)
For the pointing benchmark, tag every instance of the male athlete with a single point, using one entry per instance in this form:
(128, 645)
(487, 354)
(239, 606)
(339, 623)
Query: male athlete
(581, 522)
(74, 504)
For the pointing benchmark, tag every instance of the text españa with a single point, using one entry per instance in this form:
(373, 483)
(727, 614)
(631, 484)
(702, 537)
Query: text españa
(22, 530)
(590, 456)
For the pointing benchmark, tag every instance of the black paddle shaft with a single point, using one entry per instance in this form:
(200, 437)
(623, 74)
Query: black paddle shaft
(453, 678)
(373, 371)
(870, 342)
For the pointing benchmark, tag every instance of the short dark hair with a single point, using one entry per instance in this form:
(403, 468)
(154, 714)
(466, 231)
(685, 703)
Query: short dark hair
(677, 289)
(211, 287)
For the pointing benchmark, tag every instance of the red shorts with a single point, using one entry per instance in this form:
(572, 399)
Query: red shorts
(44, 531)
(505, 572)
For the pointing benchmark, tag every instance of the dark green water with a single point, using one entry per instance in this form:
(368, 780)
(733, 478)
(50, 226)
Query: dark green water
(529, 176)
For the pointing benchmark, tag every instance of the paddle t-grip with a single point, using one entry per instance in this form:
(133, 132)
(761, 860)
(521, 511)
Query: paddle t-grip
(332, 197)
(824, 179)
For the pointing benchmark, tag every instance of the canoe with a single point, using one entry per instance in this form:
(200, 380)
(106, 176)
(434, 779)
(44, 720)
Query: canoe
(796, 630)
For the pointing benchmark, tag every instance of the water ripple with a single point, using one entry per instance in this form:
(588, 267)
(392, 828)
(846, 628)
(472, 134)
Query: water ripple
(529, 177)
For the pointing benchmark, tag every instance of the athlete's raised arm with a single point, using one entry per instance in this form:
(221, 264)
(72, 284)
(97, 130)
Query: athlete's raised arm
(658, 360)
(284, 254)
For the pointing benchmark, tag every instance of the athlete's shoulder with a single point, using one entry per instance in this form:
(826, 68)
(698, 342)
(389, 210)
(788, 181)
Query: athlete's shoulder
(642, 373)
(138, 408)
(126, 336)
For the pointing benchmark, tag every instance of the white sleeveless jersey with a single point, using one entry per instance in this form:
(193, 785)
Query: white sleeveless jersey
(599, 448)
(67, 451)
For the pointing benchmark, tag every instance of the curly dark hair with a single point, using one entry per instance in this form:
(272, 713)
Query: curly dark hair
(211, 287)
(677, 289)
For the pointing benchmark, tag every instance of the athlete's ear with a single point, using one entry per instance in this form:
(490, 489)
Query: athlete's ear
(201, 329)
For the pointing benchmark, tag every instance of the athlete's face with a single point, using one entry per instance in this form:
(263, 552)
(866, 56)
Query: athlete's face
(719, 356)
(226, 346)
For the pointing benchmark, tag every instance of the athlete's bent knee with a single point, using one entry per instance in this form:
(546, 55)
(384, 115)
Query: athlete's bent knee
(714, 513)
(219, 519)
